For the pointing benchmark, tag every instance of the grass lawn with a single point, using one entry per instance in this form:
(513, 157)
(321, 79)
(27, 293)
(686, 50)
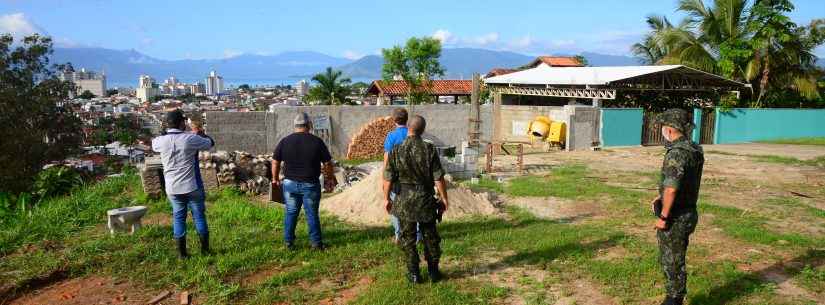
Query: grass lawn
(67, 236)
(800, 141)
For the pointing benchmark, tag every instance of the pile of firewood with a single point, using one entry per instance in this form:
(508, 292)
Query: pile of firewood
(369, 141)
(250, 173)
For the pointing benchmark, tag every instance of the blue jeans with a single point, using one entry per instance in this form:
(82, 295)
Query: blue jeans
(191, 201)
(308, 195)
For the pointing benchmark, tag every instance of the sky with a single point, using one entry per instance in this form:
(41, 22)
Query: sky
(183, 29)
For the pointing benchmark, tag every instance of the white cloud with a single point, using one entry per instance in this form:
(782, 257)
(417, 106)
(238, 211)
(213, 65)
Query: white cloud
(443, 35)
(485, 39)
(352, 55)
(523, 42)
(449, 39)
(231, 53)
(18, 25)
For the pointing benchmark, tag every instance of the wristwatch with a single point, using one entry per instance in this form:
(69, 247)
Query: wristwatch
(663, 218)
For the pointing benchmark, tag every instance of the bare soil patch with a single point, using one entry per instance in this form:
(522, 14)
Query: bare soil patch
(555, 208)
(92, 290)
(347, 295)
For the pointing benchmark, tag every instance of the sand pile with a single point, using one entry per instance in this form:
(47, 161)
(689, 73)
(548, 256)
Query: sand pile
(363, 203)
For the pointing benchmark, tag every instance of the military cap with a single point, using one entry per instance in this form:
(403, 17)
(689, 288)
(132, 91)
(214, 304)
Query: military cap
(676, 118)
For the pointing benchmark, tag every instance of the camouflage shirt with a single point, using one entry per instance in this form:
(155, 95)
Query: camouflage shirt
(415, 166)
(682, 170)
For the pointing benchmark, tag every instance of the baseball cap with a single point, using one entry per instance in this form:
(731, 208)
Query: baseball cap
(301, 119)
(676, 118)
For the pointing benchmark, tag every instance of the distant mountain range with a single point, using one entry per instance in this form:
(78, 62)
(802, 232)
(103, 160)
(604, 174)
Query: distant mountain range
(122, 67)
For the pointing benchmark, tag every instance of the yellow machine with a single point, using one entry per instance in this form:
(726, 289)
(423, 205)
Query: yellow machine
(546, 130)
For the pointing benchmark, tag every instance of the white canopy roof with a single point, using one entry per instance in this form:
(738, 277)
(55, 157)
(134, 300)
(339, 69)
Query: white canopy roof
(597, 76)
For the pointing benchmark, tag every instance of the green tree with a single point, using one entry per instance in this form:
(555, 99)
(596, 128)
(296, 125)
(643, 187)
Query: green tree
(87, 95)
(111, 92)
(582, 60)
(245, 88)
(36, 128)
(331, 88)
(651, 49)
(748, 41)
(416, 63)
(359, 88)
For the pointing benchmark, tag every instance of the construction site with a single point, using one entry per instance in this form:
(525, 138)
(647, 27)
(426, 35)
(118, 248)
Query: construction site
(550, 204)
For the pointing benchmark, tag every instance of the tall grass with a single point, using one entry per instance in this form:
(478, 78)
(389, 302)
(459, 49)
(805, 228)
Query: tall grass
(59, 217)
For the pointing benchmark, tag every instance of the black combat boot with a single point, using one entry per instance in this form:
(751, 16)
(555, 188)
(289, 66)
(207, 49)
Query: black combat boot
(182, 248)
(205, 244)
(413, 275)
(673, 301)
(435, 274)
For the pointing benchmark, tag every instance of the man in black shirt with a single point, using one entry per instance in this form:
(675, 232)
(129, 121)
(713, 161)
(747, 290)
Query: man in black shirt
(302, 154)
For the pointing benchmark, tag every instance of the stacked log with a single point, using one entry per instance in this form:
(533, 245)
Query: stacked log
(368, 142)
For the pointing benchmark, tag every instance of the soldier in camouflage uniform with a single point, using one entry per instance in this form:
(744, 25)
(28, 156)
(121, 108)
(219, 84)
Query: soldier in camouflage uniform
(415, 166)
(676, 205)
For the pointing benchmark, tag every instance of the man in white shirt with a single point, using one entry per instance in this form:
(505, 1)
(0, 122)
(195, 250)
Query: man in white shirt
(184, 187)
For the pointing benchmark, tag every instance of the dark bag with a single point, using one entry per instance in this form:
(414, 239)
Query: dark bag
(441, 207)
(657, 208)
(276, 194)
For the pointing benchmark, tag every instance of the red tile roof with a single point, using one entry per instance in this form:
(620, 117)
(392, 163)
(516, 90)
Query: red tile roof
(557, 61)
(499, 71)
(438, 87)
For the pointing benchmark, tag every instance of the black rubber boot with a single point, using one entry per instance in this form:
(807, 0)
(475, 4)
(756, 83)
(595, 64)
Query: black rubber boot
(678, 301)
(435, 274)
(413, 275)
(319, 247)
(205, 250)
(672, 301)
(182, 248)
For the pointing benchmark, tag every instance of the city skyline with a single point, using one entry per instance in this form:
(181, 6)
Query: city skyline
(345, 29)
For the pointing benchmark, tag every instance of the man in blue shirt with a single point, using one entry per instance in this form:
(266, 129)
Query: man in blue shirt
(394, 138)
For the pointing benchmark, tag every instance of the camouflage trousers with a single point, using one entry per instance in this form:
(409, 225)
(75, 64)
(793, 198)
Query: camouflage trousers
(673, 244)
(430, 239)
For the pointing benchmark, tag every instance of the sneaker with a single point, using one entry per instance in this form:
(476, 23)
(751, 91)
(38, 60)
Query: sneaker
(290, 246)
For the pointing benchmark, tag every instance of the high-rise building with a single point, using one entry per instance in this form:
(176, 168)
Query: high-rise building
(302, 88)
(85, 80)
(147, 89)
(214, 84)
(195, 88)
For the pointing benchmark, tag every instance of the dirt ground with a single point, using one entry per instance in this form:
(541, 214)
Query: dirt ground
(732, 177)
(94, 290)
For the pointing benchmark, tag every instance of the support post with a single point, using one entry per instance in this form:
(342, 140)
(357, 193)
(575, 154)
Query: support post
(496, 117)
(696, 135)
(474, 138)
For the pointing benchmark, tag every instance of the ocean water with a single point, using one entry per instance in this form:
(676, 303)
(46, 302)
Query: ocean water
(235, 82)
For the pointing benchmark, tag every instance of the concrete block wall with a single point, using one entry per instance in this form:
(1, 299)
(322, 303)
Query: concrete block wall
(583, 128)
(260, 132)
(515, 119)
(244, 131)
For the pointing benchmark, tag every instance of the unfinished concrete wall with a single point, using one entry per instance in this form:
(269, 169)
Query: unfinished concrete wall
(245, 131)
(515, 119)
(260, 132)
(583, 131)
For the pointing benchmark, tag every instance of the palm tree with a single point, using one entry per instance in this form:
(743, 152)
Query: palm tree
(332, 88)
(651, 50)
(749, 41)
